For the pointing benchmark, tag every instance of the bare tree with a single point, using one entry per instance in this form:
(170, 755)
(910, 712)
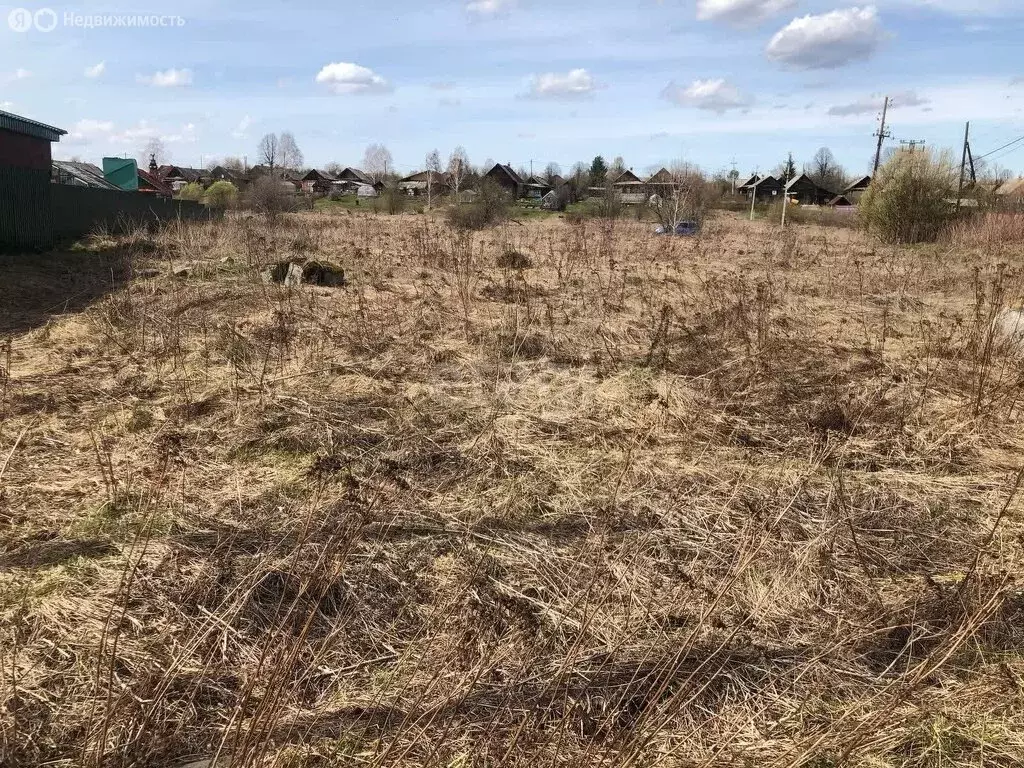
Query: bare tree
(269, 151)
(825, 170)
(288, 148)
(234, 163)
(334, 167)
(376, 162)
(458, 169)
(552, 170)
(433, 166)
(617, 168)
(155, 150)
(687, 196)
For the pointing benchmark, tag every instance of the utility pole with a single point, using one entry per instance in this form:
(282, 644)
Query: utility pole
(963, 166)
(882, 135)
(732, 176)
(785, 194)
(970, 159)
(753, 194)
(912, 143)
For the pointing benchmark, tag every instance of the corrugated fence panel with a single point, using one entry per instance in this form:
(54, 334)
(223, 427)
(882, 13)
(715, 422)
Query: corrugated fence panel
(78, 211)
(26, 216)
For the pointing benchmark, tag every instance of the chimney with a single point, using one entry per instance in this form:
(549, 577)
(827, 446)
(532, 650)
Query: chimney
(152, 164)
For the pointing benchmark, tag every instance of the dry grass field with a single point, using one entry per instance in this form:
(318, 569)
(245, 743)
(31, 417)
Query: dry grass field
(551, 494)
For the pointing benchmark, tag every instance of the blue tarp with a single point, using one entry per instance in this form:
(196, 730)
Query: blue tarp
(682, 229)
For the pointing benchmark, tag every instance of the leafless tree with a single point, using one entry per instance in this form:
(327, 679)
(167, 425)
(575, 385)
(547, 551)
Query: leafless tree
(552, 170)
(825, 171)
(433, 166)
(377, 161)
(234, 163)
(686, 197)
(154, 149)
(617, 168)
(334, 167)
(458, 169)
(269, 151)
(290, 154)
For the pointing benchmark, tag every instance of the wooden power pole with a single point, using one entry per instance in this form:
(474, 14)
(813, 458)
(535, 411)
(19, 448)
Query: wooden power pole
(963, 166)
(882, 136)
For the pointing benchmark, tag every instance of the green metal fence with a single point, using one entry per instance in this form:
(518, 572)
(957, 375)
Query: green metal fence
(26, 210)
(35, 213)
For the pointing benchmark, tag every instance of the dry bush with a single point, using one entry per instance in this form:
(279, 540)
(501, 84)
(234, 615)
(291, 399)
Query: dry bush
(987, 230)
(908, 200)
(747, 498)
(492, 206)
(268, 196)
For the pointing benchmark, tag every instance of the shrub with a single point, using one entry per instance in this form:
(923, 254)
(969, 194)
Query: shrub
(988, 230)
(267, 195)
(222, 194)
(193, 191)
(491, 206)
(908, 200)
(391, 200)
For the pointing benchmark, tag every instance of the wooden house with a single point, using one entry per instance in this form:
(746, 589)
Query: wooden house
(536, 188)
(629, 187)
(765, 188)
(507, 179)
(80, 175)
(855, 191)
(660, 183)
(177, 176)
(222, 173)
(423, 182)
(317, 182)
(1011, 193)
(804, 191)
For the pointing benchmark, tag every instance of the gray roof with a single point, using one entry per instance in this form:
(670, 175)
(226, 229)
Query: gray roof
(80, 175)
(18, 124)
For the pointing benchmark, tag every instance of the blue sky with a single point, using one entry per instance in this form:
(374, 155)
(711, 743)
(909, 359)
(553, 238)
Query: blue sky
(706, 81)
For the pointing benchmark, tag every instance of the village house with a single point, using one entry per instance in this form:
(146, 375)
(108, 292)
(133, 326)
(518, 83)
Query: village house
(236, 177)
(178, 176)
(1011, 193)
(535, 188)
(423, 182)
(317, 182)
(762, 188)
(507, 179)
(804, 191)
(26, 167)
(855, 191)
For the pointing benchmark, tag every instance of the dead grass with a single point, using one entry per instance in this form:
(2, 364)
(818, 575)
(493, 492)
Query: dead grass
(744, 499)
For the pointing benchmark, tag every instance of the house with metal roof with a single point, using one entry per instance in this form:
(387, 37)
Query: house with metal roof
(80, 175)
(26, 168)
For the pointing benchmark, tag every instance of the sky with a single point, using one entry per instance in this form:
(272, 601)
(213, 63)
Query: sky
(710, 82)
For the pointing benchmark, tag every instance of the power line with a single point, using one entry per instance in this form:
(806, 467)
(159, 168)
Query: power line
(1000, 149)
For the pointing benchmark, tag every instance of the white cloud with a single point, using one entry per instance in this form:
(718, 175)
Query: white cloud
(828, 41)
(575, 84)
(874, 104)
(243, 126)
(96, 70)
(489, 7)
(344, 77)
(171, 78)
(716, 95)
(88, 131)
(18, 74)
(741, 11)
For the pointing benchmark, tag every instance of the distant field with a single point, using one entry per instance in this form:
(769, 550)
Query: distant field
(553, 494)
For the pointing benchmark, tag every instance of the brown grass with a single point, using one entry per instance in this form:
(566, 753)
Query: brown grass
(744, 499)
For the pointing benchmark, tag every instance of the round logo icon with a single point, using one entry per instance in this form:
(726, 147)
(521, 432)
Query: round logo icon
(45, 19)
(20, 20)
